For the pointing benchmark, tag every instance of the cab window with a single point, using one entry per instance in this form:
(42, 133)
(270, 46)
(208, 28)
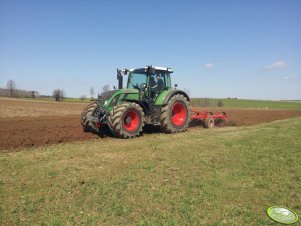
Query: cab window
(136, 80)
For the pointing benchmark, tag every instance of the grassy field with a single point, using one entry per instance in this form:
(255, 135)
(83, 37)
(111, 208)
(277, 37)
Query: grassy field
(240, 103)
(223, 176)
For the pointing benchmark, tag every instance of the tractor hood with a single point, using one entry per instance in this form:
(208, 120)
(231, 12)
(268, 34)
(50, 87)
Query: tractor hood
(110, 98)
(107, 94)
(104, 98)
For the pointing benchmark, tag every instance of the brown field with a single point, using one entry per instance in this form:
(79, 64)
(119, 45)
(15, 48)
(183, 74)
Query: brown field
(26, 124)
(35, 108)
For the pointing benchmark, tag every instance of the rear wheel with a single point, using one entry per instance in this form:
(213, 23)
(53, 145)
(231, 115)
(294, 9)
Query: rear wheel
(126, 120)
(175, 116)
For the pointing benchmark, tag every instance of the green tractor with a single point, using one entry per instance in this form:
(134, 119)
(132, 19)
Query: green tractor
(149, 98)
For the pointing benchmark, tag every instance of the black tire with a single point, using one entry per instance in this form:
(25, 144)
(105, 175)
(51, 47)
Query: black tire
(93, 103)
(209, 123)
(86, 109)
(126, 120)
(86, 124)
(221, 123)
(170, 122)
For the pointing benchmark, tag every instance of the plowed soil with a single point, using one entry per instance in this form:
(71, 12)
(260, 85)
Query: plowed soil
(22, 132)
(25, 132)
(244, 117)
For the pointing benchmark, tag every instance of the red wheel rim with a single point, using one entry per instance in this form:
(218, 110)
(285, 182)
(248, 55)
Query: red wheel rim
(178, 114)
(131, 120)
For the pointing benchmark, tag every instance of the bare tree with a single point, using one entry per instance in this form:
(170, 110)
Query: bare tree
(11, 86)
(105, 88)
(82, 97)
(62, 94)
(32, 94)
(58, 94)
(92, 92)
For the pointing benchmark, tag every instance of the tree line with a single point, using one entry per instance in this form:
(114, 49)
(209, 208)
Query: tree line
(58, 94)
(11, 91)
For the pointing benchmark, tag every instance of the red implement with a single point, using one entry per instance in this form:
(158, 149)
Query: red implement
(209, 118)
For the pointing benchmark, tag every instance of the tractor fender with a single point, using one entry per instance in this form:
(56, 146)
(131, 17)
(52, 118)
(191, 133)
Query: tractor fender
(141, 104)
(172, 93)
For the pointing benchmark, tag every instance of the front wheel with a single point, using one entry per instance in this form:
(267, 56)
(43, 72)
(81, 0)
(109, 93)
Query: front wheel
(126, 120)
(89, 110)
(175, 116)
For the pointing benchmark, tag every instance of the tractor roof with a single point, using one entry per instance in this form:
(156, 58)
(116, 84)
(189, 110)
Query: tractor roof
(154, 67)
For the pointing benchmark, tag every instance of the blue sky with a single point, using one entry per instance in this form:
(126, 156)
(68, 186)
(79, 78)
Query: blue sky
(244, 49)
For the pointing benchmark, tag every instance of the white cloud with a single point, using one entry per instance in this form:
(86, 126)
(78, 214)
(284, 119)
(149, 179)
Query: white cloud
(209, 65)
(287, 77)
(276, 65)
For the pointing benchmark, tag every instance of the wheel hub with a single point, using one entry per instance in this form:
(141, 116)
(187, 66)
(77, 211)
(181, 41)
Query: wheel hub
(178, 114)
(131, 120)
(128, 120)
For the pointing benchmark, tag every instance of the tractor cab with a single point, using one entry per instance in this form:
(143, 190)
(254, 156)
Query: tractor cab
(149, 81)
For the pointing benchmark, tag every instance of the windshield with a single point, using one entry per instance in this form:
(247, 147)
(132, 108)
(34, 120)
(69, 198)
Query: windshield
(136, 80)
